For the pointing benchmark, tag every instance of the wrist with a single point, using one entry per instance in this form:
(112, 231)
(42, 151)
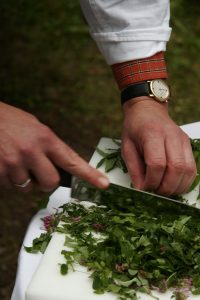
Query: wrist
(142, 103)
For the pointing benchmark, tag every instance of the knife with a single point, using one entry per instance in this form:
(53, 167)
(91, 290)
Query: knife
(124, 198)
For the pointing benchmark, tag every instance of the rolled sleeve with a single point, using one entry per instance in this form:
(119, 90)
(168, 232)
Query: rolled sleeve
(128, 29)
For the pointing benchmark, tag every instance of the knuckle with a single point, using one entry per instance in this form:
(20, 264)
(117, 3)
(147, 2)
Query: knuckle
(73, 167)
(55, 181)
(186, 137)
(165, 190)
(51, 183)
(177, 166)
(157, 164)
(27, 150)
(133, 175)
(152, 130)
(45, 134)
(11, 161)
(76, 162)
(191, 169)
(33, 118)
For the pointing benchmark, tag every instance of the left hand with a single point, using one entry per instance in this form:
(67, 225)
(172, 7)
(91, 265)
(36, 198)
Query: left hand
(157, 152)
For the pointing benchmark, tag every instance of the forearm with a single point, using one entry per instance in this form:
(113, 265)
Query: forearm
(128, 30)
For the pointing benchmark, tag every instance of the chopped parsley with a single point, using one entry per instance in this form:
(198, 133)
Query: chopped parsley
(129, 249)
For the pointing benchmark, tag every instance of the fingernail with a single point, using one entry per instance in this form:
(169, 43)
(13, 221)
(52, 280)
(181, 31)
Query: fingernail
(103, 182)
(137, 185)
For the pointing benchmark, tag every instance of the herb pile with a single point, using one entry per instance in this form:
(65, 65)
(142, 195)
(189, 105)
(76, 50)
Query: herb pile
(129, 249)
(135, 251)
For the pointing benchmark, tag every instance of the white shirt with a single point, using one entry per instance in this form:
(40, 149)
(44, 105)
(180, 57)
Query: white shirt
(128, 29)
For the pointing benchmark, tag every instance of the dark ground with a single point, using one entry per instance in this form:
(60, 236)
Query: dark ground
(51, 67)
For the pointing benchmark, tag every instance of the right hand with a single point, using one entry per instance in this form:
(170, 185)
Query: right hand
(28, 148)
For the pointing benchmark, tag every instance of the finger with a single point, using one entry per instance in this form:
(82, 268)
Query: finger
(175, 164)
(155, 160)
(4, 180)
(20, 176)
(64, 157)
(190, 168)
(44, 172)
(134, 163)
(13, 173)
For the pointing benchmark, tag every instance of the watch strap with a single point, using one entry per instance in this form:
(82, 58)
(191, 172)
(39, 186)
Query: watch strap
(135, 90)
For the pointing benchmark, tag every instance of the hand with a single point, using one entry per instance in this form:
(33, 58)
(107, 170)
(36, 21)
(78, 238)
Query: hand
(28, 148)
(157, 152)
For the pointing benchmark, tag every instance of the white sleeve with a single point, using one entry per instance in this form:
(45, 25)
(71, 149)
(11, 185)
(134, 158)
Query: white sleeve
(128, 29)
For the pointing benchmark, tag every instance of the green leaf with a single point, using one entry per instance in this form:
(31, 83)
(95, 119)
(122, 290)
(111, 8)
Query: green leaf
(195, 182)
(31, 249)
(110, 164)
(117, 142)
(132, 272)
(97, 283)
(196, 291)
(101, 152)
(100, 163)
(111, 160)
(128, 282)
(64, 269)
(172, 279)
(114, 288)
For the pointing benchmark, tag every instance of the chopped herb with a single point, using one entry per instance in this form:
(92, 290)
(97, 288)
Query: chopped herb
(132, 251)
(129, 249)
(136, 251)
(64, 269)
(39, 244)
(112, 159)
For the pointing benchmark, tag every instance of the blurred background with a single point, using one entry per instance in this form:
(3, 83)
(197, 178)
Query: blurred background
(50, 66)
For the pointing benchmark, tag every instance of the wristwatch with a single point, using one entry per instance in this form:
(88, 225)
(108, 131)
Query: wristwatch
(157, 89)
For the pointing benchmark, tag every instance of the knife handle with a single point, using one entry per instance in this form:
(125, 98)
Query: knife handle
(65, 177)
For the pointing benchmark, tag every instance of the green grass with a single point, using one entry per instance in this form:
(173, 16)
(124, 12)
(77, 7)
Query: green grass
(184, 60)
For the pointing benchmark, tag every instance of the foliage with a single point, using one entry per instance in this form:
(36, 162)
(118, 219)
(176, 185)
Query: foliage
(131, 251)
(112, 159)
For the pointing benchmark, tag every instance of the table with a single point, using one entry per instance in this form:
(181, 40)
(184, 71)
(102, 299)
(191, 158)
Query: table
(27, 264)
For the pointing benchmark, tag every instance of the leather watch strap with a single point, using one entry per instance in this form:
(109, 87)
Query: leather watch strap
(135, 90)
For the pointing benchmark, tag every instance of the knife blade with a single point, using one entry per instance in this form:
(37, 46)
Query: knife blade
(124, 197)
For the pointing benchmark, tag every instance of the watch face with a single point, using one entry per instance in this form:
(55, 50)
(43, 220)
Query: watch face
(160, 89)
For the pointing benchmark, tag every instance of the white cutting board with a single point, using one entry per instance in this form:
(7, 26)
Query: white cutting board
(47, 282)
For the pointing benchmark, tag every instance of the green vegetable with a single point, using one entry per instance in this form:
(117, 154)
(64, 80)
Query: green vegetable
(135, 250)
(195, 143)
(39, 244)
(129, 249)
(112, 159)
(132, 250)
(64, 269)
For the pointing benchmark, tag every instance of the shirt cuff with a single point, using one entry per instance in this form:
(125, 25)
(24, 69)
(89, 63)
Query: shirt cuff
(134, 71)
